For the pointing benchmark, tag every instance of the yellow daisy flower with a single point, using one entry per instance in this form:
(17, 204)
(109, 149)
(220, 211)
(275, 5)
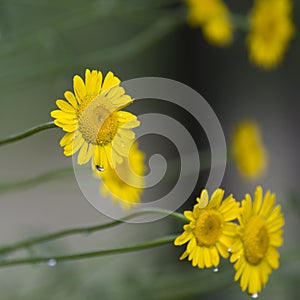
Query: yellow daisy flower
(248, 150)
(125, 183)
(258, 237)
(271, 32)
(210, 231)
(213, 16)
(95, 127)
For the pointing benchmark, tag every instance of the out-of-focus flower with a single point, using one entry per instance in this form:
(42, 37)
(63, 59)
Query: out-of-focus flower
(125, 183)
(248, 150)
(210, 231)
(259, 234)
(213, 17)
(93, 121)
(270, 33)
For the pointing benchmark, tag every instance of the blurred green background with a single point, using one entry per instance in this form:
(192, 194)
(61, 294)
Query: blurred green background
(42, 45)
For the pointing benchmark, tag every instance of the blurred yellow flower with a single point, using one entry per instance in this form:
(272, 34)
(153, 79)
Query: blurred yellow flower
(93, 122)
(213, 17)
(210, 231)
(248, 150)
(259, 234)
(271, 32)
(125, 183)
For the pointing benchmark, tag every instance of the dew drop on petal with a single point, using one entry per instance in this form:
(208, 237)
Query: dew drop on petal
(254, 296)
(215, 269)
(229, 250)
(51, 262)
(99, 168)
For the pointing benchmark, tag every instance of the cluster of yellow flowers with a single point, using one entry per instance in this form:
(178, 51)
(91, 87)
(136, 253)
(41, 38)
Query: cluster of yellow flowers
(269, 24)
(103, 134)
(249, 233)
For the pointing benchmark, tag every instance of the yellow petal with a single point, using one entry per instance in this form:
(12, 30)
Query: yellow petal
(182, 239)
(71, 99)
(79, 88)
(81, 159)
(115, 93)
(203, 200)
(207, 257)
(109, 82)
(257, 200)
(126, 133)
(59, 114)
(215, 258)
(216, 198)
(122, 101)
(67, 139)
(124, 116)
(64, 106)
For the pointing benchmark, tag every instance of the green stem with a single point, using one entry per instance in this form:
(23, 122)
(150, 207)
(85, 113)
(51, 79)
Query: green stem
(33, 181)
(84, 230)
(31, 260)
(26, 133)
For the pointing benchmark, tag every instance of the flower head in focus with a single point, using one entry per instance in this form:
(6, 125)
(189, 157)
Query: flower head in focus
(213, 17)
(248, 150)
(95, 125)
(270, 33)
(125, 183)
(259, 234)
(210, 231)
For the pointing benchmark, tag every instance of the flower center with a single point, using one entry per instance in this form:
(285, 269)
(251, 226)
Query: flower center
(208, 227)
(256, 240)
(98, 121)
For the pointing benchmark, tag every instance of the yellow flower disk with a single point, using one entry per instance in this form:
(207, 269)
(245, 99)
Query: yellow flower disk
(210, 232)
(271, 31)
(92, 118)
(258, 237)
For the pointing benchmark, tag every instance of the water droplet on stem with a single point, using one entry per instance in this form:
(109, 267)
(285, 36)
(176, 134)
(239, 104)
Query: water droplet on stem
(51, 262)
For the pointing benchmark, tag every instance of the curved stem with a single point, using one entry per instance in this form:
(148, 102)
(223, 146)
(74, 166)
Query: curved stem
(26, 133)
(33, 181)
(84, 230)
(54, 259)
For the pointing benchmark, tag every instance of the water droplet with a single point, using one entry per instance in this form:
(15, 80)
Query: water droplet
(122, 144)
(99, 168)
(229, 250)
(51, 262)
(254, 296)
(215, 269)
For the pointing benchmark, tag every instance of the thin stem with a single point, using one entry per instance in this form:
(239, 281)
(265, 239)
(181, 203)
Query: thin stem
(54, 174)
(33, 181)
(26, 133)
(149, 244)
(83, 230)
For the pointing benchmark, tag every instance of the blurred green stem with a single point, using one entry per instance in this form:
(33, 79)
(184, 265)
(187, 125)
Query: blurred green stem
(86, 230)
(59, 258)
(26, 133)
